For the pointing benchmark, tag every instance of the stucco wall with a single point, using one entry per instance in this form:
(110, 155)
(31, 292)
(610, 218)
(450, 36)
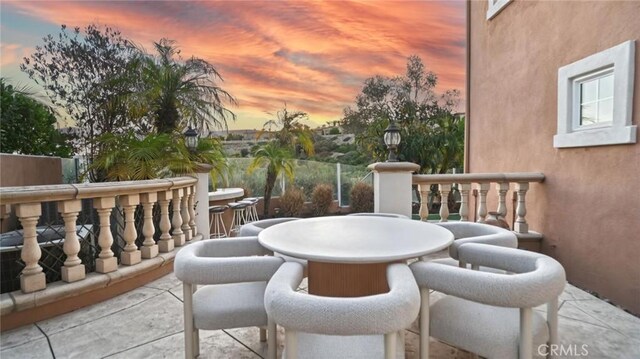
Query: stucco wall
(20, 170)
(588, 209)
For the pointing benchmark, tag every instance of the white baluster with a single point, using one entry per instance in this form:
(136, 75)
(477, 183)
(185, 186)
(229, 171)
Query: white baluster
(483, 189)
(166, 243)
(149, 247)
(31, 278)
(131, 254)
(502, 189)
(192, 212)
(106, 262)
(184, 212)
(444, 201)
(464, 201)
(178, 235)
(73, 269)
(521, 225)
(424, 190)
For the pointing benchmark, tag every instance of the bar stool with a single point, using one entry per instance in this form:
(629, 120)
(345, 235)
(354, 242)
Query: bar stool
(217, 228)
(251, 213)
(239, 217)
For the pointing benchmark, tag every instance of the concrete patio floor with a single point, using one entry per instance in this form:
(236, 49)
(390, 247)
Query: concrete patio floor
(147, 323)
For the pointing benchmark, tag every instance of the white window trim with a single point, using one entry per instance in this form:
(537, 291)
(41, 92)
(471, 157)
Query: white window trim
(495, 6)
(620, 131)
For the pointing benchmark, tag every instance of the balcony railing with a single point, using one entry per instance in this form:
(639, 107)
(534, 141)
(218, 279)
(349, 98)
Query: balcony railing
(133, 222)
(481, 183)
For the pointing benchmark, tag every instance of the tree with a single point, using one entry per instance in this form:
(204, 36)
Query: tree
(431, 135)
(27, 126)
(277, 159)
(182, 93)
(78, 71)
(291, 132)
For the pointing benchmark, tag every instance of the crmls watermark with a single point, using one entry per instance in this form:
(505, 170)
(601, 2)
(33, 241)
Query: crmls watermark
(563, 350)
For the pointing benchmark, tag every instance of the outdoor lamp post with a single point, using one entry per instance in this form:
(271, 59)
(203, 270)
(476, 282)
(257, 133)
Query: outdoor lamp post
(191, 139)
(392, 140)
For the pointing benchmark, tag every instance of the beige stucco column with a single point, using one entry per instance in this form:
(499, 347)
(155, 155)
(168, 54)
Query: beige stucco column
(202, 199)
(392, 186)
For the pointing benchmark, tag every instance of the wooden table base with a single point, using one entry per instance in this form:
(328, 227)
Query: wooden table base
(347, 280)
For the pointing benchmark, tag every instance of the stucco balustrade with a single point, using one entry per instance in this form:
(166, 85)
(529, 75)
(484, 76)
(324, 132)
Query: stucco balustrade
(480, 186)
(116, 229)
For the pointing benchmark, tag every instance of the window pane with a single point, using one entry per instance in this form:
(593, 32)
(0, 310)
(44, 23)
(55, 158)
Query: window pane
(605, 111)
(588, 114)
(606, 86)
(588, 91)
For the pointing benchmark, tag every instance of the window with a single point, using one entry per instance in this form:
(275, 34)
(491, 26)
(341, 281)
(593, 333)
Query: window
(595, 97)
(595, 102)
(495, 6)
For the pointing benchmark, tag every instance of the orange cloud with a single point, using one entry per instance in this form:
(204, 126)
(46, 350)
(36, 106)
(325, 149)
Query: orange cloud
(12, 54)
(313, 55)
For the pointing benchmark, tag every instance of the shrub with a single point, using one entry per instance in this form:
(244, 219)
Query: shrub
(361, 198)
(291, 202)
(334, 131)
(322, 198)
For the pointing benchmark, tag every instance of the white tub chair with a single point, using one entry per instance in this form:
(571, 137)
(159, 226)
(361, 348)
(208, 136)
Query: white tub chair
(470, 232)
(253, 228)
(304, 316)
(491, 314)
(233, 274)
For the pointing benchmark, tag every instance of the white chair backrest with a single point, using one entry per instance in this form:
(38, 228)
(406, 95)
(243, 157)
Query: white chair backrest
(375, 314)
(470, 232)
(219, 261)
(536, 278)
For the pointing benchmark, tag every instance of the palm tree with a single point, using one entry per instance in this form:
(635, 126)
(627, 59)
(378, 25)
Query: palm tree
(127, 157)
(292, 133)
(182, 93)
(278, 159)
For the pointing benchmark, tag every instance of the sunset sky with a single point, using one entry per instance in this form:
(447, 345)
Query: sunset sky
(313, 55)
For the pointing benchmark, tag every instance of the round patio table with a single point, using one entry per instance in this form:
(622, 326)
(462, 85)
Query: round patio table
(348, 255)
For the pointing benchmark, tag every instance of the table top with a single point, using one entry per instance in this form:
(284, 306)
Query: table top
(355, 239)
(225, 193)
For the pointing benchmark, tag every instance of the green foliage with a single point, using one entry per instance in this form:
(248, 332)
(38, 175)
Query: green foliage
(334, 131)
(292, 133)
(361, 198)
(292, 202)
(322, 198)
(127, 157)
(181, 93)
(310, 173)
(276, 159)
(234, 137)
(324, 147)
(27, 126)
(236, 176)
(244, 152)
(431, 135)
(307, 175)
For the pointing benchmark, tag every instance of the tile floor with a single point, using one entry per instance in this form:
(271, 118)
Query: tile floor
(147, 323)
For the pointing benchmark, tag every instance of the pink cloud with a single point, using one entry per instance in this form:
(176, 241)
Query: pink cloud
(313, 55)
